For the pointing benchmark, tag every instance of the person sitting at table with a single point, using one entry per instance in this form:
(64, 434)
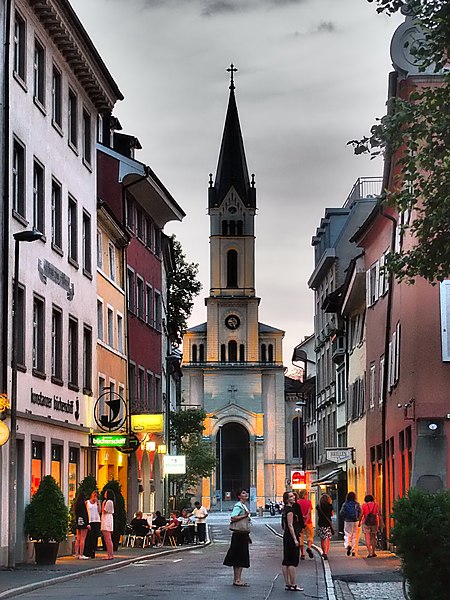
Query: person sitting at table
(139, 525)
(187, 527)
(157, 522)
(173, 526)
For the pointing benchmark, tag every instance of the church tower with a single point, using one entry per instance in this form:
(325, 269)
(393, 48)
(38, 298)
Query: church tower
(233, 363)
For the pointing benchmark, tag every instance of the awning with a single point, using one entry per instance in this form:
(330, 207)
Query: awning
(329, 478)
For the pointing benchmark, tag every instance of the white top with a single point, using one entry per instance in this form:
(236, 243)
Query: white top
(107, 516)
(200, 514)
(93, 513)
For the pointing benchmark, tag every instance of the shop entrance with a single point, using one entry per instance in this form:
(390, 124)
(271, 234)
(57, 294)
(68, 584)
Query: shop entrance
(233, 460)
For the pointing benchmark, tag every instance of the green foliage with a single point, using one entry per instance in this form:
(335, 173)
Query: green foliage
(120, 513)
(186, 429)
(87, 485)
(47, 516)
(421, 534)
(416, 132)
(183, 286)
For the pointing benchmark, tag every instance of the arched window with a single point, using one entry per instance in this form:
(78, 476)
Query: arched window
(240, 227)
(224, 227)
(270, 352)
(232, 268)
(263, 353)
(194, 353)
(232, 351)
(296, 437)
(201, 353)
(223, 353)
(241, 353)
(232, 225)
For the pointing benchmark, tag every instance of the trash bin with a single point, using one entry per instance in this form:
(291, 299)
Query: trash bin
(260, 511)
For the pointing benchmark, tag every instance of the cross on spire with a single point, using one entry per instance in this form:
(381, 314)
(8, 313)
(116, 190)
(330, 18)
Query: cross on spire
(232, 389)
(232, 70)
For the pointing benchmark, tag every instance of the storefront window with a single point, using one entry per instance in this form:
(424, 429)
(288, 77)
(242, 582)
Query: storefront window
(37, 453)
(56, 463)
(73, 472)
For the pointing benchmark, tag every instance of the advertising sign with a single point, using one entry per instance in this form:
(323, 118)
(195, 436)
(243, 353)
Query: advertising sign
(338, 455)
(147, 423)
(174, 465)
(4, 433)
(111, 440)
(298, 480)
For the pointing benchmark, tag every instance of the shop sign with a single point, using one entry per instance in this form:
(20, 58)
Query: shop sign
(4, 433)
(153, 423)
(104, 440)
(56, 403)
(174, 465)
(338, 455)
(298, 480)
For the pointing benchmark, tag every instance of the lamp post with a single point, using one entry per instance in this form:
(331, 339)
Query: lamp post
(21, 236)
(221, 467)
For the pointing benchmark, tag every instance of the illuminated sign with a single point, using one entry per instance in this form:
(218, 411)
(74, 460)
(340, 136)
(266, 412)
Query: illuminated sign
(298, 480)
(174, 465)
(102, 440)
(4, 433)
(147, 423)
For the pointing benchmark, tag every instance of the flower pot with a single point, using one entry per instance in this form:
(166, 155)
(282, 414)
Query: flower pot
(45, 553)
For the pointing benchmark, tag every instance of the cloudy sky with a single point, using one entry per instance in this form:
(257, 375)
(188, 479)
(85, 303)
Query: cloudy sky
(312, 75)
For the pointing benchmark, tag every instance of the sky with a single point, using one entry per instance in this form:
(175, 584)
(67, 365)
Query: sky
(312, 75)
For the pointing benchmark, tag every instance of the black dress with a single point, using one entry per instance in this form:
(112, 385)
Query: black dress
(291, 552)
(238, 554)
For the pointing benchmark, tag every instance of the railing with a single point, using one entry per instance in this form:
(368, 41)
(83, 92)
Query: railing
(365, 187)
(232, 364)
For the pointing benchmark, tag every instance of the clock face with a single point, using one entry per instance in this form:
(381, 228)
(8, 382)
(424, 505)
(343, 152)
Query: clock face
(232, 322)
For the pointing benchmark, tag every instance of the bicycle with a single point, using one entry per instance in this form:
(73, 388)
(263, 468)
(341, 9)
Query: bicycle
(406, 588)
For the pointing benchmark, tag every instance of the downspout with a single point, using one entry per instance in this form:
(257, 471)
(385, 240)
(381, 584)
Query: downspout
(392, 92)
(6, 199)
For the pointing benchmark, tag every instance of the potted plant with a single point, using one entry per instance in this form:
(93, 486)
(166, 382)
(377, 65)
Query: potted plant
(46, 520)
(120, 513)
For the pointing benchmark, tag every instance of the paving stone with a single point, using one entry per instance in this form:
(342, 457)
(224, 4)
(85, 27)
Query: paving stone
(389, 590)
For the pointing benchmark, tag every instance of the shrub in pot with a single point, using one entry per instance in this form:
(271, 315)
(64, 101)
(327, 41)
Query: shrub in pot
(46, 520)
(120, 513)
(421, 534)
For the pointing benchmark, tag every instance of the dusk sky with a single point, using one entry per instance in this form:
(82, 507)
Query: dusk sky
(312, 74)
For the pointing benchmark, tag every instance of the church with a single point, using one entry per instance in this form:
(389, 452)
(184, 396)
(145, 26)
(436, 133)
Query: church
(232, 363)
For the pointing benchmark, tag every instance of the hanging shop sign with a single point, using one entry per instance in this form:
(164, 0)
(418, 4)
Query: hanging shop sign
(153, 423)
(338, 455)
(174, 465)
(108, 440)
(110, 411)
(298, 480)
(4, 433)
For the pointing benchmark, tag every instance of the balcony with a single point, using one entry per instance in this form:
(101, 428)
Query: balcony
(338, 349)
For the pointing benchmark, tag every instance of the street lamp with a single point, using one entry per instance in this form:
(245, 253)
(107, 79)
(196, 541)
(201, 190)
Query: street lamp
(221, 467)
(21, 236)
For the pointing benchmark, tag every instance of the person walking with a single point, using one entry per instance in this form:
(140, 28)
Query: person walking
(306, 508)
(93, 510)
(238, 555)
(107, 521)
(200, 514)
(351, 513)
(292, 527)
(371, 521)
(81, 524)
(325, 512)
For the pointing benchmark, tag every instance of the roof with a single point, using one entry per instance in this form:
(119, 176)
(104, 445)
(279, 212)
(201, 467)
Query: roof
(202, 328)
(262, 328)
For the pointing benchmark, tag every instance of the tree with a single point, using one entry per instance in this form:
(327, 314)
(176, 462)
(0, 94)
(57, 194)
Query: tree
(183, 286)
(415, 134)
(186, 430)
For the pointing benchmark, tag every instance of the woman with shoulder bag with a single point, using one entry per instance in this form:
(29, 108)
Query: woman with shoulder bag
(371, 520)
(81, 524)
(292, 526)
(238, 555)
(325, 512)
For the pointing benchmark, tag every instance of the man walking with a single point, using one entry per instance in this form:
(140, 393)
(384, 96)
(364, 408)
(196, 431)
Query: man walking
(200, 514)
(306, 508)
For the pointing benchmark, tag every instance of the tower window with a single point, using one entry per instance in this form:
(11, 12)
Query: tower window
(270, 353)
(232, 226)
(223, 353)
(240, 227)
(296, 437)
(201, 353)
(232, 351)
(232, 264)
(263, 353)
(194, 353)
(241, 353)
(224, 227)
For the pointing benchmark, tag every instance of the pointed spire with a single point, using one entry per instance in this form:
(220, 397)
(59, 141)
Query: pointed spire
(232, 165)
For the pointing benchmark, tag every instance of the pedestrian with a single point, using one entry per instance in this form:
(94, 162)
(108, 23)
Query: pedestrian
(81, 524)
(371, 521)
(292, 527)
(351, 513)
(326, 531)
(93, 510)
(306, 507)
(200, 514)
(107, 521)
(238, 555)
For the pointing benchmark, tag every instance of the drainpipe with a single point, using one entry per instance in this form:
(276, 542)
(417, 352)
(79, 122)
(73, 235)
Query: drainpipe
(6, 199)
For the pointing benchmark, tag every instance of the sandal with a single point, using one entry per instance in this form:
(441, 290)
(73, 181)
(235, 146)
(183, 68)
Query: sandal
(296, 588)
(240, 584)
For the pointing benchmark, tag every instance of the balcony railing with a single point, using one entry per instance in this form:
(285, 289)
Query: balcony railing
(365, 187)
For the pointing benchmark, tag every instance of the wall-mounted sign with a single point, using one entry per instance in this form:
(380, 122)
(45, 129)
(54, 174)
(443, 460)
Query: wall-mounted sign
(47, 270)
(147, 423)
(298, 480)
(174, 465)
(338, 455)
(4, 433)
(108, 440)
(110, 411)
(70, 407)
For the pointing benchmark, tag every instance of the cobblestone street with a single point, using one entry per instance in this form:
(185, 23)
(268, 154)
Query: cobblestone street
(386, 590)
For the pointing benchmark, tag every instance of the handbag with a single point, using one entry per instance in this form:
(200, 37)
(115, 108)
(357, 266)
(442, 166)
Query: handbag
(241, 526)
(329, 520)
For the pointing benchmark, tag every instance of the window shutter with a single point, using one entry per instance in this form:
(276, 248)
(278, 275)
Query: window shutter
(368, 290)
(390, 365)
(382, 277)
(377, 291)
(397, 353)
(445, 319)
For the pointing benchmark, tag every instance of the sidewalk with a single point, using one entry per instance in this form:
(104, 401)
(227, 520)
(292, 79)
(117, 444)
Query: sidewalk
(29, 577)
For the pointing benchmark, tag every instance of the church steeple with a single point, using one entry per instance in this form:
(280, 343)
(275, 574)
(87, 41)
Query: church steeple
(232, 165)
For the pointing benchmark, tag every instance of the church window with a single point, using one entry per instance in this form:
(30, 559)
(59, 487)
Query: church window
(241, 353)
(270, 352)
(240, 227)
(232, 264)
(232, 226)
(224, 227)
(223, 353)
(201, 353)
(263, 353)
(296, 437)
(194, 353)
(232, 351)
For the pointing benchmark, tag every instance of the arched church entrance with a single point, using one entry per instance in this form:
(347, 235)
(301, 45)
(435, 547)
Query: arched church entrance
(233, 460)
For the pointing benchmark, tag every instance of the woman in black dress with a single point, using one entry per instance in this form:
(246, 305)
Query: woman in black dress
(81, 523)
(291, 545)
(238, 555)
(325, 512)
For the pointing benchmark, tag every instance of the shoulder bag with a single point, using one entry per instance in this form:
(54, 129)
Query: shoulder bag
(243, 525)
